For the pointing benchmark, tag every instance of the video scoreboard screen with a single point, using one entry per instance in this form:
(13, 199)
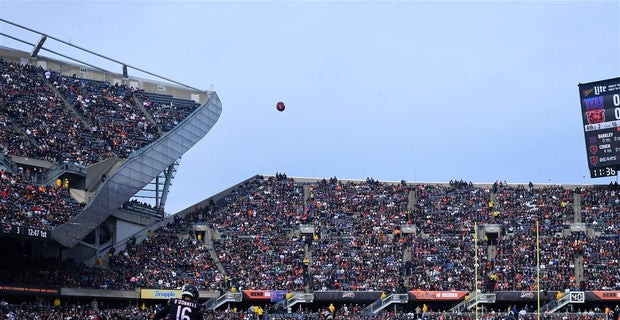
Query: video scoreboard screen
(600, 110)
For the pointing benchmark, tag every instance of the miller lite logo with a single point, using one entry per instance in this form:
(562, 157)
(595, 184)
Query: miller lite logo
(594, 160)
(587, 92)
(600, 89)
(593, 149)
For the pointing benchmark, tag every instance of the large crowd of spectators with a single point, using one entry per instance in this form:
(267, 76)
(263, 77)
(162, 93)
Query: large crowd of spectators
(356, 241)
(166, 110)
(519, 210)
(52, 130)
(599, 208)
(40, 206)
(442, 252)
(169, 257)
(61, 119)
(77, 311)
(166, 259)
(117, 124)
(68, 119)
(356, 247)
(261, 251)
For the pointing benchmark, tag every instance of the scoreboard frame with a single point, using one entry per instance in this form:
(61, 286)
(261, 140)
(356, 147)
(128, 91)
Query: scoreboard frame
(21, 231)
(600, 113)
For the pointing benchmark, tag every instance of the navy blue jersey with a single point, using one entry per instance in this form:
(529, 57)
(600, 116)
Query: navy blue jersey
(179, 309)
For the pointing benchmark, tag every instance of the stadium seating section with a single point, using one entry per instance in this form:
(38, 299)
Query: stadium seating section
(253, 238)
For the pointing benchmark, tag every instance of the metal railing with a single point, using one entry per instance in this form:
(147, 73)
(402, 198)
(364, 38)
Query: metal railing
(383, 303)
(227, 297)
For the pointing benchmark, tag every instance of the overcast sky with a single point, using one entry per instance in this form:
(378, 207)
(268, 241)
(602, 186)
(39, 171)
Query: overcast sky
(420, 91)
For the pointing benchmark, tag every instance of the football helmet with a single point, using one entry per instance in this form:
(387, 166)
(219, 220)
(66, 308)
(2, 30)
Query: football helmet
(190, 290)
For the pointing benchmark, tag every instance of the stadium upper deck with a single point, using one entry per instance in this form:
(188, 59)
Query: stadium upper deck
(90, 140)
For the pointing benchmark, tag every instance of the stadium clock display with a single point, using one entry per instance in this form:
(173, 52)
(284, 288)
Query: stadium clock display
(602, 172)
(600, 112)
(15, 230)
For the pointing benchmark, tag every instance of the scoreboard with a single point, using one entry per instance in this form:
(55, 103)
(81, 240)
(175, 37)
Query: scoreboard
(19, 231)
(600, 112)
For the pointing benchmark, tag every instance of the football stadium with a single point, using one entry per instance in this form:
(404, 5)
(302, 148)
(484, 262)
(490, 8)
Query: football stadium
(88, 157)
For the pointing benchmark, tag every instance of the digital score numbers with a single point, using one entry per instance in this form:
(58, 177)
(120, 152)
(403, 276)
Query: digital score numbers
(600, 111)
(15, 230)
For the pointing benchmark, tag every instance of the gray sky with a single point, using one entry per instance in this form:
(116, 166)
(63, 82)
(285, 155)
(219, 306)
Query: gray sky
(420, 91)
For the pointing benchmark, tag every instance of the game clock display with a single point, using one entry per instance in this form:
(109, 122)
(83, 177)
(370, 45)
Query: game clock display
(600, 112)
(16, 230)
(603, 172)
